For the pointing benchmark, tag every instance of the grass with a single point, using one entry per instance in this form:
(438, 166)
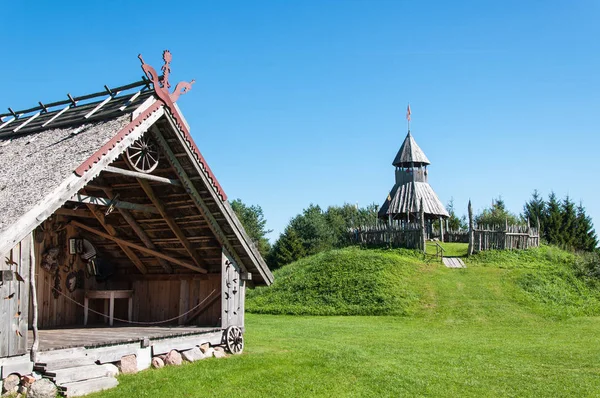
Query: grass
(511, 324)
(349, 281)
(450, 249)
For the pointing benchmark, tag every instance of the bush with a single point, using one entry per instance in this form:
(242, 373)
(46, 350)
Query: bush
(588, 265)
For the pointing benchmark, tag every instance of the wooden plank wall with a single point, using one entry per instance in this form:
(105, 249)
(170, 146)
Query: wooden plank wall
(232, 299)
(64, 310)
(14, 299)
(154, 300)
(159, 300)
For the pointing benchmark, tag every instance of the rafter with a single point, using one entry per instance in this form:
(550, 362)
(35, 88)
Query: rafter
(170, 221)
(113, 232)
(138, 247)
(139, 232)
(200, 204)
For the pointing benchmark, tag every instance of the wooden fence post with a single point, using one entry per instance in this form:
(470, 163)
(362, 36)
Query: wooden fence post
(471, 232)
(423, 242)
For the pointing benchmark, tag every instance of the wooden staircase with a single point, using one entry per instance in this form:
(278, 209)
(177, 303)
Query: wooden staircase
(76, 375)
(453, 262)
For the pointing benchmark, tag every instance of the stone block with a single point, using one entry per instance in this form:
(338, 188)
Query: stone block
(128, 364)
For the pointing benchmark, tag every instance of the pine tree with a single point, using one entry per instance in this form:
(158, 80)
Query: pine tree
(553, 218)
(585, 235)
(287, 249)
(535, 210)
(569, 224)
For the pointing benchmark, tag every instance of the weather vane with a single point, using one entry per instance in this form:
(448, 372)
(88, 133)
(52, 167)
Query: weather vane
(161, 84)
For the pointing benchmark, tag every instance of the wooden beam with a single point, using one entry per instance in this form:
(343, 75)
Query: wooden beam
(139, 232)
(80, 198)
(113, 232)
(82, 213)
(137, 174)
(169, 220)
(163, 277)
(138, 247)
(33, 298)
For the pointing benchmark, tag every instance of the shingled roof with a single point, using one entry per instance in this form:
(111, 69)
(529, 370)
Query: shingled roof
(406, 199)
(410, 154)
(52, 152)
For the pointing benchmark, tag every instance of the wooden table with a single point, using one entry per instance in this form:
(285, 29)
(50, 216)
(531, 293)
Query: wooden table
(109, 297)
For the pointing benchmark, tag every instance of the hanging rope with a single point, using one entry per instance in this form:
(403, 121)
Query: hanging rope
(128, 321)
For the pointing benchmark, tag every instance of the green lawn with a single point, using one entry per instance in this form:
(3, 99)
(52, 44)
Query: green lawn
(511, 324)
(450, 249)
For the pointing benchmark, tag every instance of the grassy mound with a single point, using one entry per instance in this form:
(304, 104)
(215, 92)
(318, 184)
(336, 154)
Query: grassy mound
(543, 281)
(548, 279)
(348, 281)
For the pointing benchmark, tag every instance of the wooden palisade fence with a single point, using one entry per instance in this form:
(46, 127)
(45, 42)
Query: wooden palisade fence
(395, 234)
(479, 237)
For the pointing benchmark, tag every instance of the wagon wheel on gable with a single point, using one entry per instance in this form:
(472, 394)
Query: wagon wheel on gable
(143, 155)
(234, 340)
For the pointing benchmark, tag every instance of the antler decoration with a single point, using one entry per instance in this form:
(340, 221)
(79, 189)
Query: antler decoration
(161, 84)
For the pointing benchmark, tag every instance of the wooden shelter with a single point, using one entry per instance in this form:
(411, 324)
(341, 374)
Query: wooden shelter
(411, 188)
(111, 217)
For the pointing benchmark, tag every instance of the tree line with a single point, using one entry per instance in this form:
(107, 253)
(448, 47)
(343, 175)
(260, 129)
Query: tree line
(562, 223)
(310, 232)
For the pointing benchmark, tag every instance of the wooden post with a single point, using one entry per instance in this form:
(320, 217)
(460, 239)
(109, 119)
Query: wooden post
(33, 296)
(471, 232)
(111, 306)
(528, 234)
(441, 229)
(423, 242)
(539, 232)
(86, 307)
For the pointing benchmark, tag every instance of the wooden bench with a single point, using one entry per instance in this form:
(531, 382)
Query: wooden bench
(109, 297)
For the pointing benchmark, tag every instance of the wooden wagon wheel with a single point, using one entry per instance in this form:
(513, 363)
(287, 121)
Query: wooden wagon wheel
(143, 155)
(234, 340)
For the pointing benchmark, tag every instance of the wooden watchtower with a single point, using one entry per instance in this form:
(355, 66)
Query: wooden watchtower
(412, 186)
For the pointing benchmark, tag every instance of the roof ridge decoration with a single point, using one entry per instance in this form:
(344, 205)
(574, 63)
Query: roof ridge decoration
(162, 85)
(161, 88)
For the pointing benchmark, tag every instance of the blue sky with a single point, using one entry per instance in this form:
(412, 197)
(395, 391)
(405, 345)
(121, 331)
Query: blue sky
(300, 102)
